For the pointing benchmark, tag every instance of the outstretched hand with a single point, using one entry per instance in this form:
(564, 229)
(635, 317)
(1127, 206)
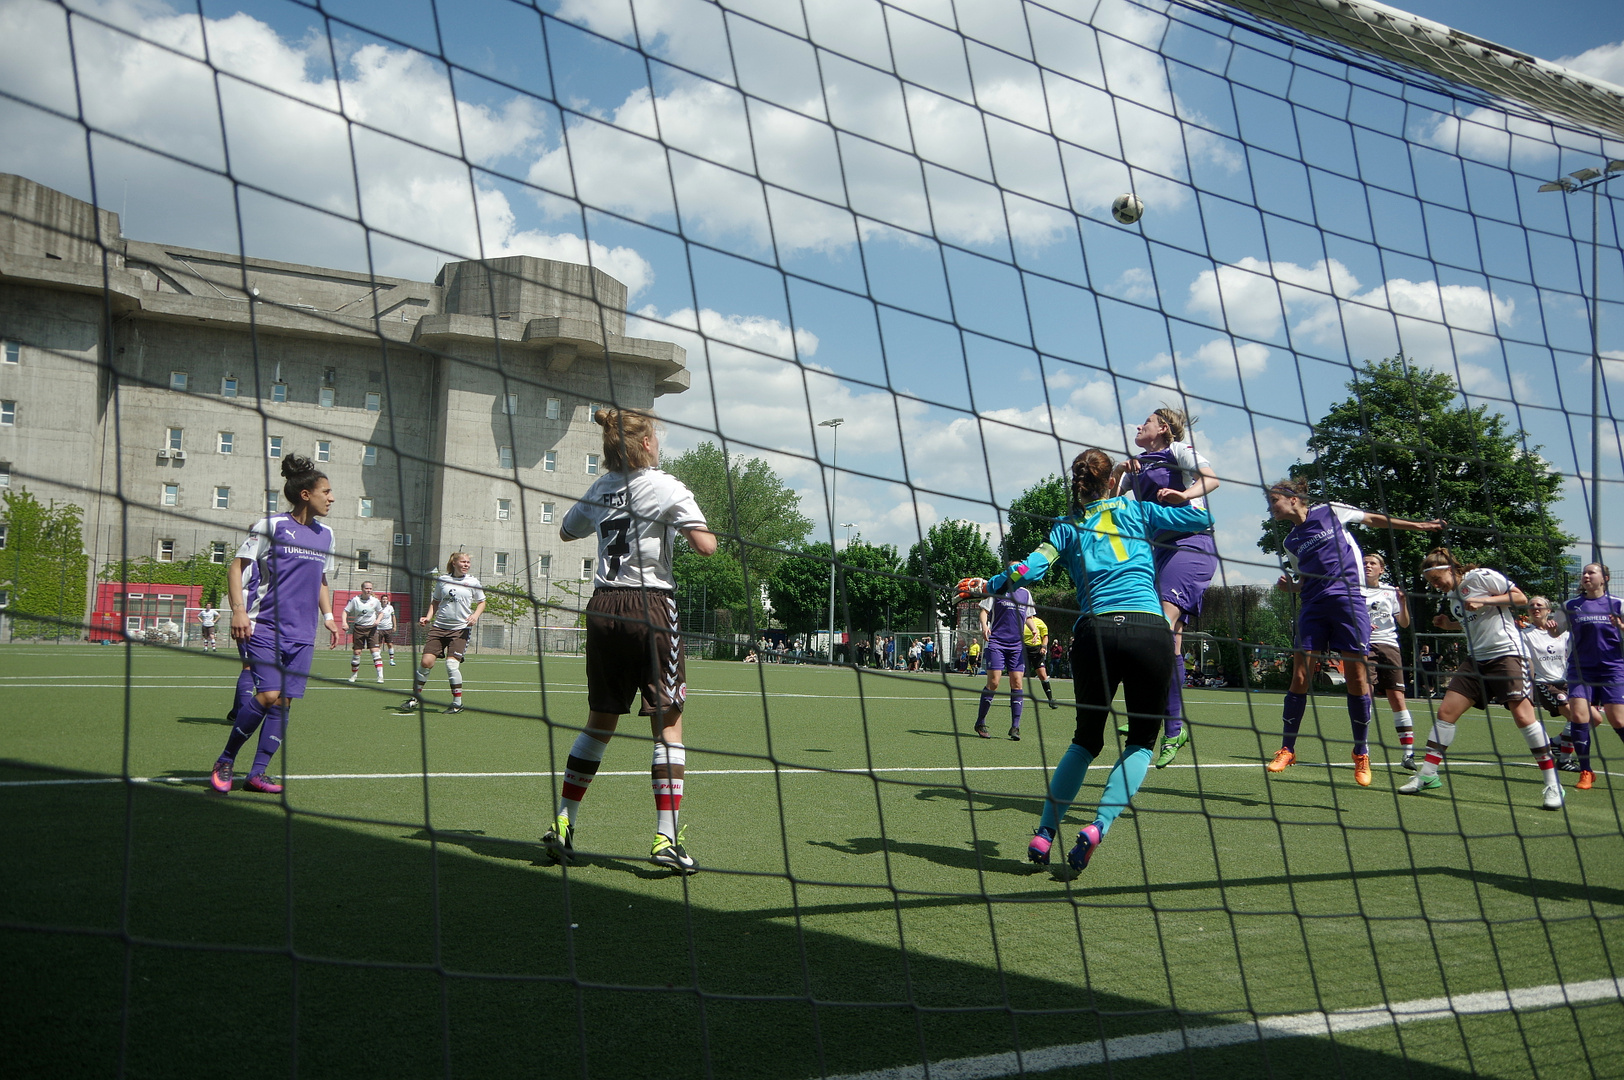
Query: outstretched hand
(971, 587)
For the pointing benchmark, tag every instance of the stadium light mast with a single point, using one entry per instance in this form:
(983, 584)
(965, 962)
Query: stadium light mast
(1591, 180)
(834, 480)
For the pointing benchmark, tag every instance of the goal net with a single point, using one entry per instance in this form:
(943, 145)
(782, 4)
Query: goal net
(883, 270)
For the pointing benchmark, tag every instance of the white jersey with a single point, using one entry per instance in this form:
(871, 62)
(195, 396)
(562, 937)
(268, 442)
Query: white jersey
(207, 617)
(1491, 630)
(386, 616)
(363, 614)
(455, 599)
(636, 518)
(1382, 602)
(1547, 655)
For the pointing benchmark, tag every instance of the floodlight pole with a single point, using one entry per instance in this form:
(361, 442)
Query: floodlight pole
(1592, 180)
(834, 480)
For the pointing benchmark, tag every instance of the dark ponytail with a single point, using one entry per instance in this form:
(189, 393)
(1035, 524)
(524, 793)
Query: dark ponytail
(300, 475)
(1090, 477)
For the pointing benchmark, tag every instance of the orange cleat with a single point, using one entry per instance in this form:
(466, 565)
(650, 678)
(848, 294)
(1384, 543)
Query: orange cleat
(1587, 780)
(1282, 758)
(1361, 769)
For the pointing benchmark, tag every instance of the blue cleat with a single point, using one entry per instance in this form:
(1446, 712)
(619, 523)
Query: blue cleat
(1038, 850)
(1087, 841)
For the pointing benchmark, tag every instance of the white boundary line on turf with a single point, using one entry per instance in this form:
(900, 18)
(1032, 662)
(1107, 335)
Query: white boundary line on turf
(784, 771)
(1314, 1024)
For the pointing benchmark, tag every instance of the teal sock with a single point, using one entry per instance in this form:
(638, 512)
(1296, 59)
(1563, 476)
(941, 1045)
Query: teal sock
(1126, 776)
(1063, 785)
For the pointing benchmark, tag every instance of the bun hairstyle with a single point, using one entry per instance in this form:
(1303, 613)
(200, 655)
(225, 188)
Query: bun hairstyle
(1177, 421)
(299, 475)
(623, 433)
(1293, 487)
(1090, 477)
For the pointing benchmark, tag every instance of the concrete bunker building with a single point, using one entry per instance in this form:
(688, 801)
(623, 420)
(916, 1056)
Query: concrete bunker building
(158, 387)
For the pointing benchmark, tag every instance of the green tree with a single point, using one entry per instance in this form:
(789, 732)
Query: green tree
(1404, 444)
(869, 585)
(950, 551)
(754, 515)
(799, 589)
(723, 579)
(44, 569)
(1031, 515)
(508, 602)
(196, 569)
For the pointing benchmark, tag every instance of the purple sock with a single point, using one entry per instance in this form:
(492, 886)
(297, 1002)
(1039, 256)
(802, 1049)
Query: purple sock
(248, 720)
(270, 737)
(245, 691)
(1581, 744)
(986, 703)
(1175, 700)
(1359, 713)
(1017, 699)
(1291, 718)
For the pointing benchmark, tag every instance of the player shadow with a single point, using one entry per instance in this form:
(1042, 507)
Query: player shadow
(985, 801)
(965, 734)
(219, 720)
(1239, 800)
(978, 856)
(531, 853)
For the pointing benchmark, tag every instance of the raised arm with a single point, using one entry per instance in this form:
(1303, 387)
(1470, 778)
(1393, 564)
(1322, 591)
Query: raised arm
(1384, 521)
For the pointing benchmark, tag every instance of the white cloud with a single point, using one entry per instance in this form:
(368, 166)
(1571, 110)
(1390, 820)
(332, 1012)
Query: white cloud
(1605, 62)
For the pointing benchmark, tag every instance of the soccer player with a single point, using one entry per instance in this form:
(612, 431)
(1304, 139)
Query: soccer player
(1598, 659)
(633, 642)
(360, 621)
(274, 616)
(385, 633)
(1123, 639)
(1004, 619)
(1494, 671)
(1171, 473)
(1550, 649)
(1329, 569)
(207, 616)
(1389, 609)
(457, 604)
(1035, 636)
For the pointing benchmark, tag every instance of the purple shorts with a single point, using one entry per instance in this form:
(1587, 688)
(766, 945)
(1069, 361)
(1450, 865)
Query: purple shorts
(1184, 570)
(1598, 694)
(284, 670)
(1005, 657)
(1334, 625)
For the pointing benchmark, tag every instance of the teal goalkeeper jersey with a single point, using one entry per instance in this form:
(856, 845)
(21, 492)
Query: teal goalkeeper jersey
(1108, 553)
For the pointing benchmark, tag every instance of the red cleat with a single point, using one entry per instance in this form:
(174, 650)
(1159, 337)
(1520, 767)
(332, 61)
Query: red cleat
(258, 782)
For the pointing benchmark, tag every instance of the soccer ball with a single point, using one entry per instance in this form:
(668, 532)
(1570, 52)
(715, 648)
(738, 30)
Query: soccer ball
(1127, 208)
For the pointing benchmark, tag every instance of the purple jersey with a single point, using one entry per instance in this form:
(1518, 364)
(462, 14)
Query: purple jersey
(1326, 557)
(1175, 467)
(1597, 652)
(283, 586)
(1007, 617)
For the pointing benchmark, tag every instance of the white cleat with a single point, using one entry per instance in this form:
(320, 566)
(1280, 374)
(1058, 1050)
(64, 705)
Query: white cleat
(1553, 798)
(352, 676)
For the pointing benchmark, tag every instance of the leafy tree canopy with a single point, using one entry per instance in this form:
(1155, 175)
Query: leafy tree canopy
(950, 551)
(799, 589)
(1404, 444)
(44, 568)
(753, 513)
(870, 588)
(1031, 515)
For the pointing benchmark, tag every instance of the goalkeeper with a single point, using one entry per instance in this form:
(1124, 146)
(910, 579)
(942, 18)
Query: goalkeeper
(1122, 639)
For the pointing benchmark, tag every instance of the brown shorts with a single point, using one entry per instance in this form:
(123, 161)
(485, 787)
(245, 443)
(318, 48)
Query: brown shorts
(1386, 669)
(1501, 681)
(384, 637)
(1551, 696)
(452, 643)
(632, 645)
(208, 633)
(363, 639)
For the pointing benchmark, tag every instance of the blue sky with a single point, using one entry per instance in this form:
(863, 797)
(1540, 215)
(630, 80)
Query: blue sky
(890, 224)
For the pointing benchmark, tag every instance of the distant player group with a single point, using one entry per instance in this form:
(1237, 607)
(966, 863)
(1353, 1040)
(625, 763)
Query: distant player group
(1137, 543)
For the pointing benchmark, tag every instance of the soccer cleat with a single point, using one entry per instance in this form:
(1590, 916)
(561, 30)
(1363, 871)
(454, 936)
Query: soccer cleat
(1552, 799)
(1282, 758)
(1052, 705)
(1171, 747)
(380, 676)
(981, 729)
(391, 661)
(455, 707)
(1420, 782)
(1361, 769)
(1038, 850)
(1088, 840)
(1014, 734)
(560, 841)
(409, 705)
(667, 852)
(1569, 766)
(220, 777)
(259, 783)
(1409, 761)
(353, 674)
(1587, 780)
(1122, 729)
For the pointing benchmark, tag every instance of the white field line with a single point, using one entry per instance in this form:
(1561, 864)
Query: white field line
(784, 771)
(1316, 1024)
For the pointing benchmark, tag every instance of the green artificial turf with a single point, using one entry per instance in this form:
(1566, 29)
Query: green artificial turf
(396, 915)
